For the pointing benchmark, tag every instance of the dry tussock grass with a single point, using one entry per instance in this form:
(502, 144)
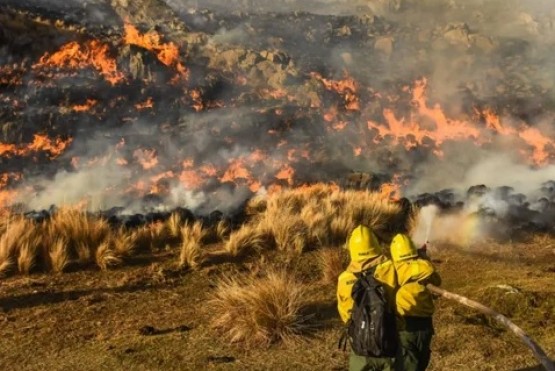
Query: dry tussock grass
(191, 255)
(247, 239)
(59, 255)
(291, 221)
(27, 257)
(174, 225)
(106, 257)
(222, 230)
(153, 236)
(123, 243)
(68, 237)
(318, 215)
(256, 205)
(77, 228)
(332, 262)
(260, 311)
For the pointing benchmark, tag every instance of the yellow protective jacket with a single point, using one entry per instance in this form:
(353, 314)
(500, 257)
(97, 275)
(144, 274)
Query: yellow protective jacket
(384, 273)
(413, 298)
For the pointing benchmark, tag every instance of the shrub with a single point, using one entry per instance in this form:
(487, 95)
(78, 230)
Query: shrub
(191, 243)
(332, 262)
(260, 311)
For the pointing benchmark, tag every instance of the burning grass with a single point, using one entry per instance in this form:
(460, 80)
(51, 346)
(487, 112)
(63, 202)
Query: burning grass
(260, 311)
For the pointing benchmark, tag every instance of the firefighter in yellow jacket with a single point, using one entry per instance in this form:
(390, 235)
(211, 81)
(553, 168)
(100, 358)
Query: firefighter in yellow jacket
(414, 304)
(365, 252)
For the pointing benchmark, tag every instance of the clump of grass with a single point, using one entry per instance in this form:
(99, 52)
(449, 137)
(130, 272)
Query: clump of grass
(247, 239)
(123, 243)
(256, 205)
(27, 257)
(323, 215)
(222, 230)
(77, 228)
(260, 311)
(84, 254)
(332, 262)
(191, 245)
(289, 232)
(174, 224)
(151, 236)
(59, 255)
(106, 257)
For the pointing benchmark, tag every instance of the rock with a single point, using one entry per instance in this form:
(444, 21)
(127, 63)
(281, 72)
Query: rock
(384, 45)
(483, 43)
(457, 34)
(343, 31)
(347, 58)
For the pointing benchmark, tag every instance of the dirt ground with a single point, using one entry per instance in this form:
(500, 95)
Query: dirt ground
(149, 315)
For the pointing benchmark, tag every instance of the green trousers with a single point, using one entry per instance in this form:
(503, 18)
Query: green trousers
(414, 344)
(361, 363)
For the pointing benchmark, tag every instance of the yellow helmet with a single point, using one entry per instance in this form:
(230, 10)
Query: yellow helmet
(363, 244)
(402, 248)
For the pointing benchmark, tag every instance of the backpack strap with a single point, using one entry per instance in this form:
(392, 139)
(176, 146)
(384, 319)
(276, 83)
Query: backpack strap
(367, 272)
(344, 339)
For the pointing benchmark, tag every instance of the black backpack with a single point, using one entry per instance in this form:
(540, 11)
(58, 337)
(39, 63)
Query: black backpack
(371, 329)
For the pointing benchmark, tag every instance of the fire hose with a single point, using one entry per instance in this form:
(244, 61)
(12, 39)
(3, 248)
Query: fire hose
(540, 355)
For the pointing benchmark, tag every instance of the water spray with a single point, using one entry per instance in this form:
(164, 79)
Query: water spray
(427, 215)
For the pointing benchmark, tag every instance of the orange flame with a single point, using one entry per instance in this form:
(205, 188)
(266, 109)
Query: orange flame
(237, 170)
(90, 103)
(531, 136)
(286, 173)
(149, 103)
(167, 53)
(55, 147)
(146, 157)
(91, 53)
(347, 88)
(413, 134)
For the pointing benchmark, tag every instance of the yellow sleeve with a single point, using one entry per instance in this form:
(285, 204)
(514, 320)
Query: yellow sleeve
(423, 271)
(344, 300)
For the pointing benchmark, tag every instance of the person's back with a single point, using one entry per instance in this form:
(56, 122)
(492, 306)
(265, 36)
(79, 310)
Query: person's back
(414, 304)
(365, 253)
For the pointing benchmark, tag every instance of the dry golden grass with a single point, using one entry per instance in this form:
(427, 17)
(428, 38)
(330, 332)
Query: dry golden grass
(247, 239)
(123, 243)
(332, 262)
(289, 231)
(222, 230)
(256, 205)
(260, 311)
(59, 255)
(292, 221)
(319, 215)
(173, 224)
(84, 254)
(106, 257)
(191, 245)
(77, 228)
(27, 257)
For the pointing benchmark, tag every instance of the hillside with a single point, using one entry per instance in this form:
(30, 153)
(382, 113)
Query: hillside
(100, 320)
